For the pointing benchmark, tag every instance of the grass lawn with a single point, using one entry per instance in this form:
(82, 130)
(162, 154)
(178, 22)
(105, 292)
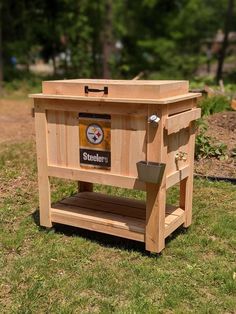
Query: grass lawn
(68, 270)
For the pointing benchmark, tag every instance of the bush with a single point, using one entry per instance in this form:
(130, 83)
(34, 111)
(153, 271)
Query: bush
(207, 148)
(214, 104)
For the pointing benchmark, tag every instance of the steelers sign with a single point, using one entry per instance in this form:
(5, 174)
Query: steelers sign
(94, 134)
(95, 140)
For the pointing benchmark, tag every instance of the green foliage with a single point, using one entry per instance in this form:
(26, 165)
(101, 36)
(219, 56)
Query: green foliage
(200, 82)
(162, 38)
(205, 147)
(214, 104)
(18, 84)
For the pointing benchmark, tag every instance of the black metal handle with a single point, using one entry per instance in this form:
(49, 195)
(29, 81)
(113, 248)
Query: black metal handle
(96, 90)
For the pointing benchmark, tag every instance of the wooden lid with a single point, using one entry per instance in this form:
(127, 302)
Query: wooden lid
(116, 88)
(117, 91)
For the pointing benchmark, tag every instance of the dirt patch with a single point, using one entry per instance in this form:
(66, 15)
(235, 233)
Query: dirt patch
(16, 122)
(221, 127)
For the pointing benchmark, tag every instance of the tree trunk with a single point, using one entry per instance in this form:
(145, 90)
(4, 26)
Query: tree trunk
(223, 49)
(54, 63)
(107, 39)
(1, 55)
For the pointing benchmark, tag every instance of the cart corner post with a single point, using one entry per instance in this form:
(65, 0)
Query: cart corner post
(42, 163)
(85, 186)
(186, 185)
(156, 194)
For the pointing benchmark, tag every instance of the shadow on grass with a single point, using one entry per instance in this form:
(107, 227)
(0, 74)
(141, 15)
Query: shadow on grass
(105, 240)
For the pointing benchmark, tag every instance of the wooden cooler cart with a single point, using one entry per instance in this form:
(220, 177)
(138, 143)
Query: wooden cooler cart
(98, 131)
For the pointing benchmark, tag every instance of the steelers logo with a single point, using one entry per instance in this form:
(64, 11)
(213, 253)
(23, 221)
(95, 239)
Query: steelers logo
(94, 134)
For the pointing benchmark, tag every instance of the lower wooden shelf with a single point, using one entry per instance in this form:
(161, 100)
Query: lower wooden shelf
(109, 214)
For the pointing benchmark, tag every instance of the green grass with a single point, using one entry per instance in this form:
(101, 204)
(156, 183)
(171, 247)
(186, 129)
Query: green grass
(19, 84)
(68, 270)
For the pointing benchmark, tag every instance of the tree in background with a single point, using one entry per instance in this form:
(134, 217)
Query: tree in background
(165, 38)
(115, 39)
(227, 27)
(107, 38)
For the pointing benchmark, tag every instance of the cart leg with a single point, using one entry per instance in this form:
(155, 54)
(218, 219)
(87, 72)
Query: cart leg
(44, 201)
(186, 185)
(155, 218)
(42, 162)
(85, 186)
(186, 192)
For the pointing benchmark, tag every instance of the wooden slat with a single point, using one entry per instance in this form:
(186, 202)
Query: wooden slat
(172, 148)
(102, 177)
(111, 199)
(131, 228)
(103, 217)
(173, 221)
(117, 200)
(181, 106)
(52, 137)
(177, 142)
(110, 214)
(182, 120)
(71, 138)
(42, 161)
(96, 176)
(63, 134)
(111, 101)
(61, 139)
(177, 176)
(120, 108)
(174, 99)
(122, 209)
(127, 132)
